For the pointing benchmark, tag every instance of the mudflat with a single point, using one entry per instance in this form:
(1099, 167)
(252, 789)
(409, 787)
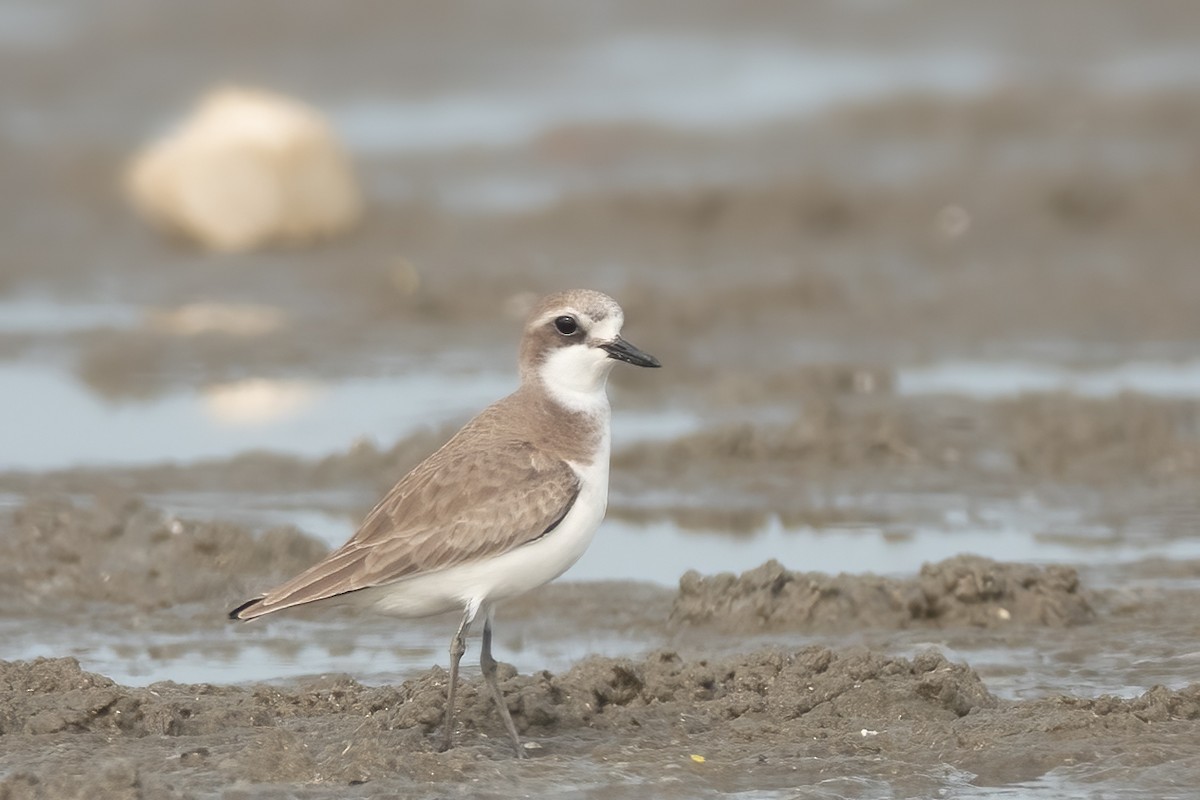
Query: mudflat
(911, 509)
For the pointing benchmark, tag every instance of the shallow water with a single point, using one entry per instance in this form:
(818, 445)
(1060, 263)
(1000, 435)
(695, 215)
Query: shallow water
(652, 133)
(73, 426)
(43, 314)
(377, 650)
(699, 84)
(1023, 530)
(692, 83)
(834, 550)
(992, 379)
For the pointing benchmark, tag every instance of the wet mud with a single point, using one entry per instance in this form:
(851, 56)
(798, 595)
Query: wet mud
(829, 434)
(792, 274)
(60, 556)
(965, 590)
(714, 714)
(768, 719)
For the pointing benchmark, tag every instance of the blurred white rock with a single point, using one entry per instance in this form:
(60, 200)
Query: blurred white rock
(260, 401)
(230, 319)
(247, 168)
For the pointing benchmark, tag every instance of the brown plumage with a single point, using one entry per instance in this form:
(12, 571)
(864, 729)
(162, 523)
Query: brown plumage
(506, 492)
(509, 503)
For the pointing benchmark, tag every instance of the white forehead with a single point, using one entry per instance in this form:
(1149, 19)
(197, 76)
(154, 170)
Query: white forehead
(598, 314)
(599, 325)
(606, 329)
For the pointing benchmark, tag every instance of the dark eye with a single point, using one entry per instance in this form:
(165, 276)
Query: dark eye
(566, 325)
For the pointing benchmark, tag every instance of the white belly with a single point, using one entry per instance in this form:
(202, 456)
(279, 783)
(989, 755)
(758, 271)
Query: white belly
(515, 572)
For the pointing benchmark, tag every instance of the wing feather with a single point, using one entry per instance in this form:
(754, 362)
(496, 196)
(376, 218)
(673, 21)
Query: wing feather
(461, 504)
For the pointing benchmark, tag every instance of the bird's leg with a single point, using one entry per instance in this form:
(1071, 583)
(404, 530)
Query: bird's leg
(489, 674)
(458, 646)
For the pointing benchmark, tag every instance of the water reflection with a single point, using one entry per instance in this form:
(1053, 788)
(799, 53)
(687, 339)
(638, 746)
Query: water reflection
(69, 425)
(257, 401)
(991, 379)
(41, 314)
(671, 81)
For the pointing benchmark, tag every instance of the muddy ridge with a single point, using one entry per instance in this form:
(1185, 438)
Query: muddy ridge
(995, 202)
(764, 713)
(1039, 434)
(841, 420)
(964, 590)
(56, 554)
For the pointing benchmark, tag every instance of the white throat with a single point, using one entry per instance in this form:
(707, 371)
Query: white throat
(577, 377)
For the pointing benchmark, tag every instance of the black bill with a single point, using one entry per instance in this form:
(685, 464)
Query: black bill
(622, 350)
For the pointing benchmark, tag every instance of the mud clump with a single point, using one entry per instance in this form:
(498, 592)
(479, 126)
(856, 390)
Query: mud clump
(970, 590)
(786, 718)
(823, 434)
(55, 695)
(362, 464)
(1081, 438)
(55, 554)
(51, 696)
(379, 729)
(107, 779)
(815, 682)
(960, 591)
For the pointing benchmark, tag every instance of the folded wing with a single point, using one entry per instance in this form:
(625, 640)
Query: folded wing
(461, 504)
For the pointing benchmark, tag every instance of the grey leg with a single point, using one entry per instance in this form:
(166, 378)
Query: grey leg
(458, 646)
(489, 674)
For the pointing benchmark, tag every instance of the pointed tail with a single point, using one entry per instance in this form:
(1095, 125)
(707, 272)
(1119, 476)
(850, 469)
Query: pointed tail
(246, 609)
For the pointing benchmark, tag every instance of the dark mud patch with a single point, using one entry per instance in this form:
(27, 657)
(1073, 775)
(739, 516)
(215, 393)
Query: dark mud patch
(1058, 435)
(832, 423)
(746, 521)
(1073, 438)
(765, 719)
(56, 554)
(960, 591)
(1032, 443)
(822, 434)
(362, 465)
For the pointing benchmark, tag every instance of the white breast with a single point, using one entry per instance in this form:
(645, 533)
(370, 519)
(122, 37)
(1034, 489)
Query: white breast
(513, 573)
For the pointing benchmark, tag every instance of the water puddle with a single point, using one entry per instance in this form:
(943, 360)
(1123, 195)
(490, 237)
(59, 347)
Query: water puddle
(71, 426)
(45, 315)
(240, 656)
(664, 552)
(1071, 783)
(1038, 669)
(29, 26)
(38, 314)
(995, 379)
(1001, 530)
(691, 83)
(378, 649)
(699, 84)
